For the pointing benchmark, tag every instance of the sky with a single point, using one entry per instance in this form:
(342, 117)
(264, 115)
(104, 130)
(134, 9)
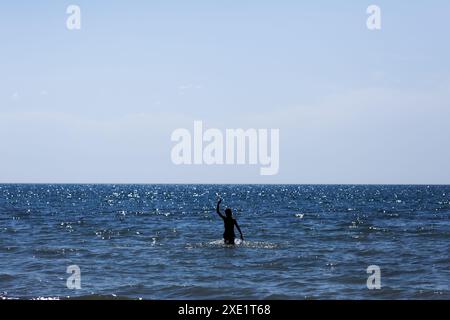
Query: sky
(99, 104)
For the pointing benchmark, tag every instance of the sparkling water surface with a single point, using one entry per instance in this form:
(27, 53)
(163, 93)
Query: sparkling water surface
(164, 241)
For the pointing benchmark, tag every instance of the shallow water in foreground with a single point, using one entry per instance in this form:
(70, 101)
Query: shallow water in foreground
(164, 241)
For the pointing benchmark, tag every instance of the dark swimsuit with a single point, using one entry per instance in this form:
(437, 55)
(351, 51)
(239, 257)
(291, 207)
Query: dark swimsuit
(228, 235)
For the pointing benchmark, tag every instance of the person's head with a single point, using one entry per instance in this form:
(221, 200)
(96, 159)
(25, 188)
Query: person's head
(228, 212)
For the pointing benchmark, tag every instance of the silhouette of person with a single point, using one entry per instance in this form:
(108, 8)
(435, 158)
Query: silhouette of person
(228, 222)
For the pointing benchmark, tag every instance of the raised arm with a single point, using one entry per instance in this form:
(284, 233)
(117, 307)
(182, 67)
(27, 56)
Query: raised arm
(218, 209)
(239, 229)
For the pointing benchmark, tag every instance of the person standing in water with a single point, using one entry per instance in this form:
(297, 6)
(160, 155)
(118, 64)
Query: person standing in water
(228, 222)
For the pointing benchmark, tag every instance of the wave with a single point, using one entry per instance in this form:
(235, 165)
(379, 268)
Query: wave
(6, 277)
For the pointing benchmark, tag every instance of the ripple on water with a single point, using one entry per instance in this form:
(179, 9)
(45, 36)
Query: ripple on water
(148, 236)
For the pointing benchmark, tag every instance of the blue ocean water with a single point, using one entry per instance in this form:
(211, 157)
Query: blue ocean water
(165, 241)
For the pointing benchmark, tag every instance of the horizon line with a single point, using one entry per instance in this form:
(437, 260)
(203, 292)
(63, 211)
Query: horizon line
(227, 183)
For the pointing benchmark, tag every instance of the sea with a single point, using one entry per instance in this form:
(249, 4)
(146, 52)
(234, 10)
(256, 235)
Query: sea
(74, 241)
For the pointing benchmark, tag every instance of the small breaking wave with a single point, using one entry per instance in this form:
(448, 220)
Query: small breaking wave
(238, 244)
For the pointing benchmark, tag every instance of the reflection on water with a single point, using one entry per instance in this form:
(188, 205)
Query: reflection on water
(164, 241)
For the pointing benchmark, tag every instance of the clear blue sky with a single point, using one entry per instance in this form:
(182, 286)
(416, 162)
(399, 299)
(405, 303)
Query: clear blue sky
(99, 104)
